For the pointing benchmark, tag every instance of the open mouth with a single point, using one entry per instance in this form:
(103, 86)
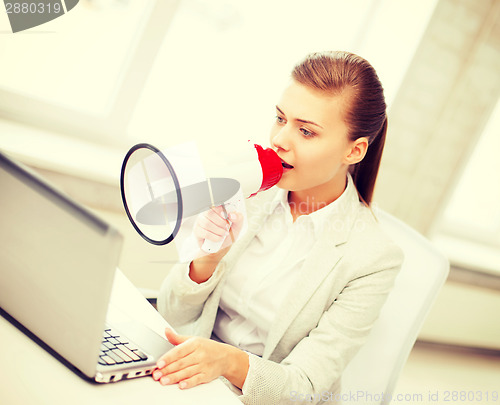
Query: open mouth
(286, 165)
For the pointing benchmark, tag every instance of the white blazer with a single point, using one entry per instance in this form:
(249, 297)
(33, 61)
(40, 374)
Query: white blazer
(323, 321)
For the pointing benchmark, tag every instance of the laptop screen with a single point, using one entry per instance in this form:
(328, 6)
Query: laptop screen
(57, 263)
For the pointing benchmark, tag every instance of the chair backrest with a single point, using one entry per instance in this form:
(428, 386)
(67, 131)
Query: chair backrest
(371, 376)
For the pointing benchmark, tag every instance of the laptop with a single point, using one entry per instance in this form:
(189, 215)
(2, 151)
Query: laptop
(57, 265)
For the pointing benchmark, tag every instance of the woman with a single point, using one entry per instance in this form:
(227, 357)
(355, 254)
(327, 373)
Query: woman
(290, 302)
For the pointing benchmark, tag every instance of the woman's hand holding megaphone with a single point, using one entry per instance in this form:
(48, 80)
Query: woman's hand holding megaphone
(217, 228)
(212, 227)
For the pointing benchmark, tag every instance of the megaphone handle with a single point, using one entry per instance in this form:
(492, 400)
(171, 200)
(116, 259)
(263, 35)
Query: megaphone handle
(210, 246)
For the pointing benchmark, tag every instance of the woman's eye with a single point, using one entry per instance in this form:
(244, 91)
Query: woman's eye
(280, 120)
(306, 133)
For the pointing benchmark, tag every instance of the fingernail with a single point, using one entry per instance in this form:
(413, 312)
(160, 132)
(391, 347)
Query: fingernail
(182, 385)
(165, 380)
(161, 364)
(157, 375)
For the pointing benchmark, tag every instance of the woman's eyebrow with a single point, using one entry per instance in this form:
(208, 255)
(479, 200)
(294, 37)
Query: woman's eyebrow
(300, 120)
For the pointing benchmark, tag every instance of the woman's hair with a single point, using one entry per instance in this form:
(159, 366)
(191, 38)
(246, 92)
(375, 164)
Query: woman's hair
(350, 76)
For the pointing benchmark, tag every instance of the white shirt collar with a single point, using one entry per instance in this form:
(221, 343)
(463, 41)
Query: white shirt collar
(341, 206)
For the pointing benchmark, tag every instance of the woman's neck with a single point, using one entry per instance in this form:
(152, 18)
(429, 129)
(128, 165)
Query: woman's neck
(305, 202)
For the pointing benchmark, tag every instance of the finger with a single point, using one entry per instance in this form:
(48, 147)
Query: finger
(237, 220)
(208, 227)
(193, 381)
(174, 367)
(218, 216)
(174, 338)
(178, 352)
(210, 232)
(217, 224)
(234, 216)
(180, 375)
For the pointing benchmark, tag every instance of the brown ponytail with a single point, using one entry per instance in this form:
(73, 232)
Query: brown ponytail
(348, 75)
(364, 174)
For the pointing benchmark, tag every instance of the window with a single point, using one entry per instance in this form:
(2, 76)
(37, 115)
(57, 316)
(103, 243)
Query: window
(81, 74)
(76, 61)
(224, 63)
(469, 230)
(114, 72)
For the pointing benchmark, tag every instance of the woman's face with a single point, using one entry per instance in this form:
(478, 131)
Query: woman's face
(310, 136)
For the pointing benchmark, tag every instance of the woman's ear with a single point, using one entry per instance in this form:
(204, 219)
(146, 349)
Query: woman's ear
(357, 151)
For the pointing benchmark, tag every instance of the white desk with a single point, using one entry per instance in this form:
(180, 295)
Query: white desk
(31, 375)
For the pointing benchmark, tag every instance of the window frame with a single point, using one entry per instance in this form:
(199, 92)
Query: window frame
(109, 127)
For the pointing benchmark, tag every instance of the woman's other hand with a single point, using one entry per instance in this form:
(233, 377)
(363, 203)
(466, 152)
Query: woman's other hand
(196, 360)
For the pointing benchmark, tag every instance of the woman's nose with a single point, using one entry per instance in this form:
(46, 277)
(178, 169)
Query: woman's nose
(280, 139)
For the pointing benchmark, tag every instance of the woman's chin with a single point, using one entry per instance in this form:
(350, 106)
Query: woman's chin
(286, 182)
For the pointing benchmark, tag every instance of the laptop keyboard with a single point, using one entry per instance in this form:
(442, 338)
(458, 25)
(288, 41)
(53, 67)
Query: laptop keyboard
(115, 349)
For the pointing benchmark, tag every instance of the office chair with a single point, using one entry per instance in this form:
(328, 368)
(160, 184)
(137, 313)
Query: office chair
(371, 376)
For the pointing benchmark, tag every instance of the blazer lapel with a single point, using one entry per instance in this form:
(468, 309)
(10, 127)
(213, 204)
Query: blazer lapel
(319, 263)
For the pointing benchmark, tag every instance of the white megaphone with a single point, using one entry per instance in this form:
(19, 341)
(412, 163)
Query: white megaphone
(254, 169)
(160, 188)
